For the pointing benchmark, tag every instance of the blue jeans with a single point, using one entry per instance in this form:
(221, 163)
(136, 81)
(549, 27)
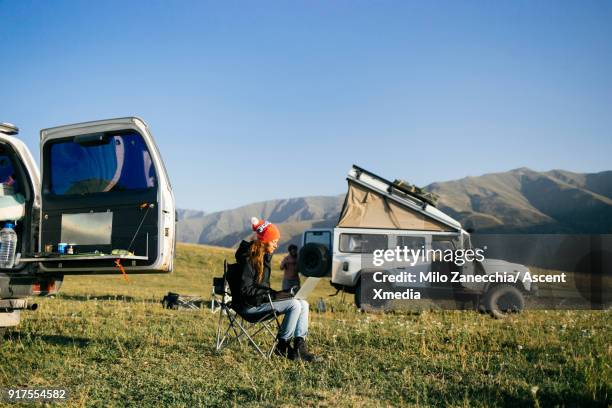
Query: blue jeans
(295, 322)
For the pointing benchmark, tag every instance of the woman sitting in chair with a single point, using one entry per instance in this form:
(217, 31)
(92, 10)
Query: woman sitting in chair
(254, 287)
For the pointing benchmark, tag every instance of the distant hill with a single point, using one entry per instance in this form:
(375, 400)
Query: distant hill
(523, 200)
(520, 200)
(184, 214)
(293, 215)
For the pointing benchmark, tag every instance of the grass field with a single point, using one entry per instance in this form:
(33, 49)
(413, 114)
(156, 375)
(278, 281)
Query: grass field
(110, 343)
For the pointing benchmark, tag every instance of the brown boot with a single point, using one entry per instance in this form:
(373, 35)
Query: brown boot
(283, 349)
(301, 351)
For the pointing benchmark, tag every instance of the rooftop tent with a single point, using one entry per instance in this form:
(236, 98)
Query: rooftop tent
(364, 208)
(374, 202)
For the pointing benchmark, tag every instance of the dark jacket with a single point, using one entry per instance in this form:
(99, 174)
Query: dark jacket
(250, 292)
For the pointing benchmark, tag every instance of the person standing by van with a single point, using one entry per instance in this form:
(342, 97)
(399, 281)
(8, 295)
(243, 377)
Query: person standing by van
(290, 271)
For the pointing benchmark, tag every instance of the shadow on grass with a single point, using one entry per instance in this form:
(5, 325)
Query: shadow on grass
(118, 298)
(55, 339)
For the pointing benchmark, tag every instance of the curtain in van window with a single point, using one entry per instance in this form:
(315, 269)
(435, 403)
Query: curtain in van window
(77, 169)
(6, 170)
(138, 171)
(124, 163)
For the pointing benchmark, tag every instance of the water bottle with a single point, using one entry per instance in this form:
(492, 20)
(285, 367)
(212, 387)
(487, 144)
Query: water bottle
(321, 308)
(8, 245)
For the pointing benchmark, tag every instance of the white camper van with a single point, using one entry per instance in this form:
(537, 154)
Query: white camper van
(102, 204)
(379, 215)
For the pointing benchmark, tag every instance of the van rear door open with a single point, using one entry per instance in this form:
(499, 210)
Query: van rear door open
(106, 194)
(20, 192)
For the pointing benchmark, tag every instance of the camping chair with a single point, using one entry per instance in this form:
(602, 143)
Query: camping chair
(233, 326)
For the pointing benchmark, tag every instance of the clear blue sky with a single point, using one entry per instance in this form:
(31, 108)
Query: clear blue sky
(252, 100)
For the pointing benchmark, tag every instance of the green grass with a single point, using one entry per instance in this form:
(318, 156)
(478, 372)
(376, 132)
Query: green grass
(111, 344)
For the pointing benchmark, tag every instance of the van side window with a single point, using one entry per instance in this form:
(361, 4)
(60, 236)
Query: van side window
(362, 243)
(318, 237)
(467, 242)
(442, 244)
(410, 242)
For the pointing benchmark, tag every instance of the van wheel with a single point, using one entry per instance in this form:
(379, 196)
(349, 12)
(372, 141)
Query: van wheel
(502, 300)
(358, 294)
(372, 305)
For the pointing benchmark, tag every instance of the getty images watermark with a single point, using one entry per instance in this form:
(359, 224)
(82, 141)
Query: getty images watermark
(504, 272)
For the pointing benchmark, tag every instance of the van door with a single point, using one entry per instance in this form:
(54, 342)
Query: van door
(106, 200)
(19, 191)
(414, 266)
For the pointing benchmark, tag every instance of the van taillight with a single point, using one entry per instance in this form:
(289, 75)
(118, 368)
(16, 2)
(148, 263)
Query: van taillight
(43, 287)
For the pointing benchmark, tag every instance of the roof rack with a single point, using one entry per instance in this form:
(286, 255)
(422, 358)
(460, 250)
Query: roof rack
(411, 189)
(399, 185)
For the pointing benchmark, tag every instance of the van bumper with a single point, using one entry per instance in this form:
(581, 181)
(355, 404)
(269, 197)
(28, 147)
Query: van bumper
(10, 319)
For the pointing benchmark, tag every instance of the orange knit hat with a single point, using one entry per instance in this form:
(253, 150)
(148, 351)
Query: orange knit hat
(265, 230)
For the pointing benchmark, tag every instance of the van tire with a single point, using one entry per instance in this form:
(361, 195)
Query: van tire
(372, 305)
(358, 295)
(501, 300)
(314, 260)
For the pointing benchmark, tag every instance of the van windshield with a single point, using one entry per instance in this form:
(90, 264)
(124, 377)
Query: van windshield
(318, 237)
(121, 163)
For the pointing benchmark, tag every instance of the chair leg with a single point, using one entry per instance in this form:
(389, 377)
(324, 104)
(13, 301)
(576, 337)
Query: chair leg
(237, 334)
(246, 333)
(222, 338)
(275, 342)
(267, 327)
(218, 342)
(238, 327)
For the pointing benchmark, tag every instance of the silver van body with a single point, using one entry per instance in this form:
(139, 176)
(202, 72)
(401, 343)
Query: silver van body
(133, 204)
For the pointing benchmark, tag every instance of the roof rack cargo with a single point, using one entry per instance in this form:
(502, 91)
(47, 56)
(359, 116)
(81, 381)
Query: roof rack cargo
(404, 187)
(411, 189)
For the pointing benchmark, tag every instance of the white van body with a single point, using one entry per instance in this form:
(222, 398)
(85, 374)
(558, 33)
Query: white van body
(377, 213)
(347, 267)
(129, 207)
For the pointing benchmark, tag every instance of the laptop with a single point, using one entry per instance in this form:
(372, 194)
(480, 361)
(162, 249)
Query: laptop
(307, 288)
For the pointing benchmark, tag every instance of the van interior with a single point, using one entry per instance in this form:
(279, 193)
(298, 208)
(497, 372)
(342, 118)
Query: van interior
(16, 197)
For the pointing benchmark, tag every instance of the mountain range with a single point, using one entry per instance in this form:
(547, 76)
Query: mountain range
(520, 200)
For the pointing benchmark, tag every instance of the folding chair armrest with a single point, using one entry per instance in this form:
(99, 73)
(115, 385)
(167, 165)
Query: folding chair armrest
(273, 310)
(270, 300)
